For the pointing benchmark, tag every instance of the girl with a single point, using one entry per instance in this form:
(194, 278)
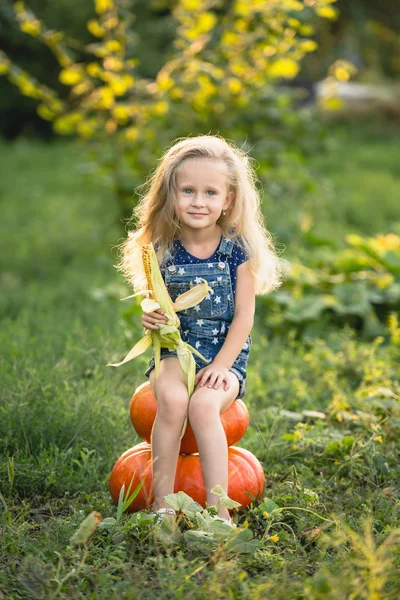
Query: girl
(202, 214)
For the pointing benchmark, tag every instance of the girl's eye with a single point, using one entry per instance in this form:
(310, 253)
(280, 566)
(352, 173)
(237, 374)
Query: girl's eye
(187, 190)
(211, 192)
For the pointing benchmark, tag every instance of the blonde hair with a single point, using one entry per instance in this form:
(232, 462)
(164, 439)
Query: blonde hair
(158, 222)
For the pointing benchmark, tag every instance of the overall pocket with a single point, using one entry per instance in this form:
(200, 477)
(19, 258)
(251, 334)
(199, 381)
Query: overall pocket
(214, 304)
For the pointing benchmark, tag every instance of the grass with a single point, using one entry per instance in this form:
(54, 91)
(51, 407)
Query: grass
(64, 417)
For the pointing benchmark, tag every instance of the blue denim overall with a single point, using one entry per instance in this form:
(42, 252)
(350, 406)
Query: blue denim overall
(205, 325)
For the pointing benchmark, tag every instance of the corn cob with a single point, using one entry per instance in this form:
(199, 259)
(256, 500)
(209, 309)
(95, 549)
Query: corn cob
(167, 336)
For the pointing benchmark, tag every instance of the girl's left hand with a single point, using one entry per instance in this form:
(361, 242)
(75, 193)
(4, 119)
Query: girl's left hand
(215, 374)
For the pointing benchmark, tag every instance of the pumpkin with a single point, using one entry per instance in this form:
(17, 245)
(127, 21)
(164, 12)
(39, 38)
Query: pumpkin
(143, 410)
(245, 474)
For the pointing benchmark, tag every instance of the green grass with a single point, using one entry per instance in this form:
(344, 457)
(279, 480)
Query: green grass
(64, 416)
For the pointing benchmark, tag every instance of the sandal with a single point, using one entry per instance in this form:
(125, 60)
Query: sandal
(226, 521)
(163, 511)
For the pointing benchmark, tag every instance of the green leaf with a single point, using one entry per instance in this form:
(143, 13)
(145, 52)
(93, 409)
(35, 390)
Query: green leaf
(348, 441)
(353, 299)
(181, 502)
(243, 543)
(268, 505)
(168, 533)
(201, 542)
(125, 501)
(332, 447)
(86, 528)
(141, 519)
(306, 308)
(391, 260)
(224, 500)
(108, 523)
(36, 576)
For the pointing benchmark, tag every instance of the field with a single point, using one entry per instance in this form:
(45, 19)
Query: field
(329, 524)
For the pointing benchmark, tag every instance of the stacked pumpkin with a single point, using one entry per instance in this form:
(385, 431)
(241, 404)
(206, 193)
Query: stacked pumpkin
(245, 473)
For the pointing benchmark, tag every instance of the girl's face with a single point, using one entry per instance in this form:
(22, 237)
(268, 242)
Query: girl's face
(202, 193)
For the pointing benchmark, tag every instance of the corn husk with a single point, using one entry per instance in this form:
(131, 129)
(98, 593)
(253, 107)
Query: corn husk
(168, 335)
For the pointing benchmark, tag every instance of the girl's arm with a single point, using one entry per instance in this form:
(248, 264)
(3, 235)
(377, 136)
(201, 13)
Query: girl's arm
(239, 330)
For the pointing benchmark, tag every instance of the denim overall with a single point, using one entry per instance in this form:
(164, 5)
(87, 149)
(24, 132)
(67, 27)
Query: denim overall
(205, 325)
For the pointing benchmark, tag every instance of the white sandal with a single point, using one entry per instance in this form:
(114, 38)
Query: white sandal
(163, 511)
(226, 521)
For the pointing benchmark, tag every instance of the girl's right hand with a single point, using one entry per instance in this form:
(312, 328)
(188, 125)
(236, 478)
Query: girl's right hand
(154, 319)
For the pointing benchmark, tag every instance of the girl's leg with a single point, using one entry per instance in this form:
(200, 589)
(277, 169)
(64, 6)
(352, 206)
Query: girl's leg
(172, 403)
(205, 407)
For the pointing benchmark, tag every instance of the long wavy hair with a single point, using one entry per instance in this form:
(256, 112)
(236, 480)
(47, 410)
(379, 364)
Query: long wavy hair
(155, 220)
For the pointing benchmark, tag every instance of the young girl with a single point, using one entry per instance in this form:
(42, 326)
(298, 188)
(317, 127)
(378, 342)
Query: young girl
(202, 214)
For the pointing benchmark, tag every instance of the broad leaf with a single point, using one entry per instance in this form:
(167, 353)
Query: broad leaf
(184, 503)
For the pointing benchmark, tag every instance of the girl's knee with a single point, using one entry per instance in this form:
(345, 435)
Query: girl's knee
(203, 409)
(172, 402)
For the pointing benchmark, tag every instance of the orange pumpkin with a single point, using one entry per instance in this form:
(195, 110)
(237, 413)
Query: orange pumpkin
(245, 474)
(143, 410)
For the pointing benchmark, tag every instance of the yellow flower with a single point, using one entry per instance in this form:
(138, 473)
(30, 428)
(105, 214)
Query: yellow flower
(333, 103)
(121, 113)
(4, 68)
(95, 28)
(327, 12)
(101, 6)
(114, 46)
(94, 69)
(70, 76)
(274, 538)
(284, 67)
(297, 434)
(160, 108)
(44, 112)
(266, 514)
(308, 46)
(341, 74)
(87, 128)
(306, 30)
(31, 27)
(379, 439)
(390, 241)
(234, 85)
(131, 133)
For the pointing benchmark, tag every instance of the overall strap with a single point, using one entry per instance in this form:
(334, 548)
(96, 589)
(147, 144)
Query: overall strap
(166, 259)
(226, 246)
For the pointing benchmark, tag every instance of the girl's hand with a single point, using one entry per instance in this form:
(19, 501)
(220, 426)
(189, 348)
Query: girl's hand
(154, 319)
(216, 374)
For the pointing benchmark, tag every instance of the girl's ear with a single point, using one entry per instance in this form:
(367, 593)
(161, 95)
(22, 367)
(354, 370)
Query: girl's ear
(229, 199)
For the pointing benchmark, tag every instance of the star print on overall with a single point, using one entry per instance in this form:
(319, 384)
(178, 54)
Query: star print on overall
(204, 326)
